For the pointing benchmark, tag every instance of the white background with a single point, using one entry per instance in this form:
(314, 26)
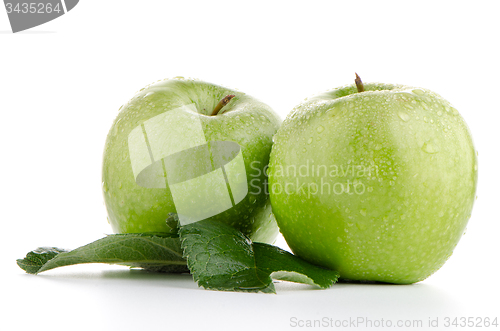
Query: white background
(61, 85)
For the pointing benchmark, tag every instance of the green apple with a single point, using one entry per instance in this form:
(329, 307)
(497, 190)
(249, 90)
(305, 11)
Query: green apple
(375, 182)
(196, 149)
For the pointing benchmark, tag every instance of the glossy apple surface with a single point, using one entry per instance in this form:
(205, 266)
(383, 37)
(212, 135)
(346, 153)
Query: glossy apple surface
(378, 185)
(140, 202)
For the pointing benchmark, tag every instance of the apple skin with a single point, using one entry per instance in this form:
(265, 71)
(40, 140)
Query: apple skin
(416, 201)
(244, 120)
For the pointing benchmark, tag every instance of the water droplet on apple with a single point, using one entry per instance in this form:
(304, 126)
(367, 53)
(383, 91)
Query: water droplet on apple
(104, 187)
(440, 113)
(309, 141)
(347, 210)
(403, 115)
(120, 185)
(363, 212)
(418, 92)
(360, 226)
(429, 147)
(339, 239)
(426, 119)
(369, 189)
(320, 129)
(391, 183)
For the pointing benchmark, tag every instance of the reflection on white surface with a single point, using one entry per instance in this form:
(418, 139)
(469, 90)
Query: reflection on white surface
(125, 299)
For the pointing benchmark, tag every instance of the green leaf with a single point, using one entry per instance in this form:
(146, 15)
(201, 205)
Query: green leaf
(283, 265)
(152, 251)
(222, 258)
(34, 260)
(218, 256)
(173, 223)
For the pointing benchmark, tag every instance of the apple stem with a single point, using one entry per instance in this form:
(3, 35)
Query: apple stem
(359, 84)
(221, 104)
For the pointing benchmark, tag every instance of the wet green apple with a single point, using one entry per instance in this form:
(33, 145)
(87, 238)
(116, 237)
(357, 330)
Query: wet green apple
(376, 181)
(193, 148)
